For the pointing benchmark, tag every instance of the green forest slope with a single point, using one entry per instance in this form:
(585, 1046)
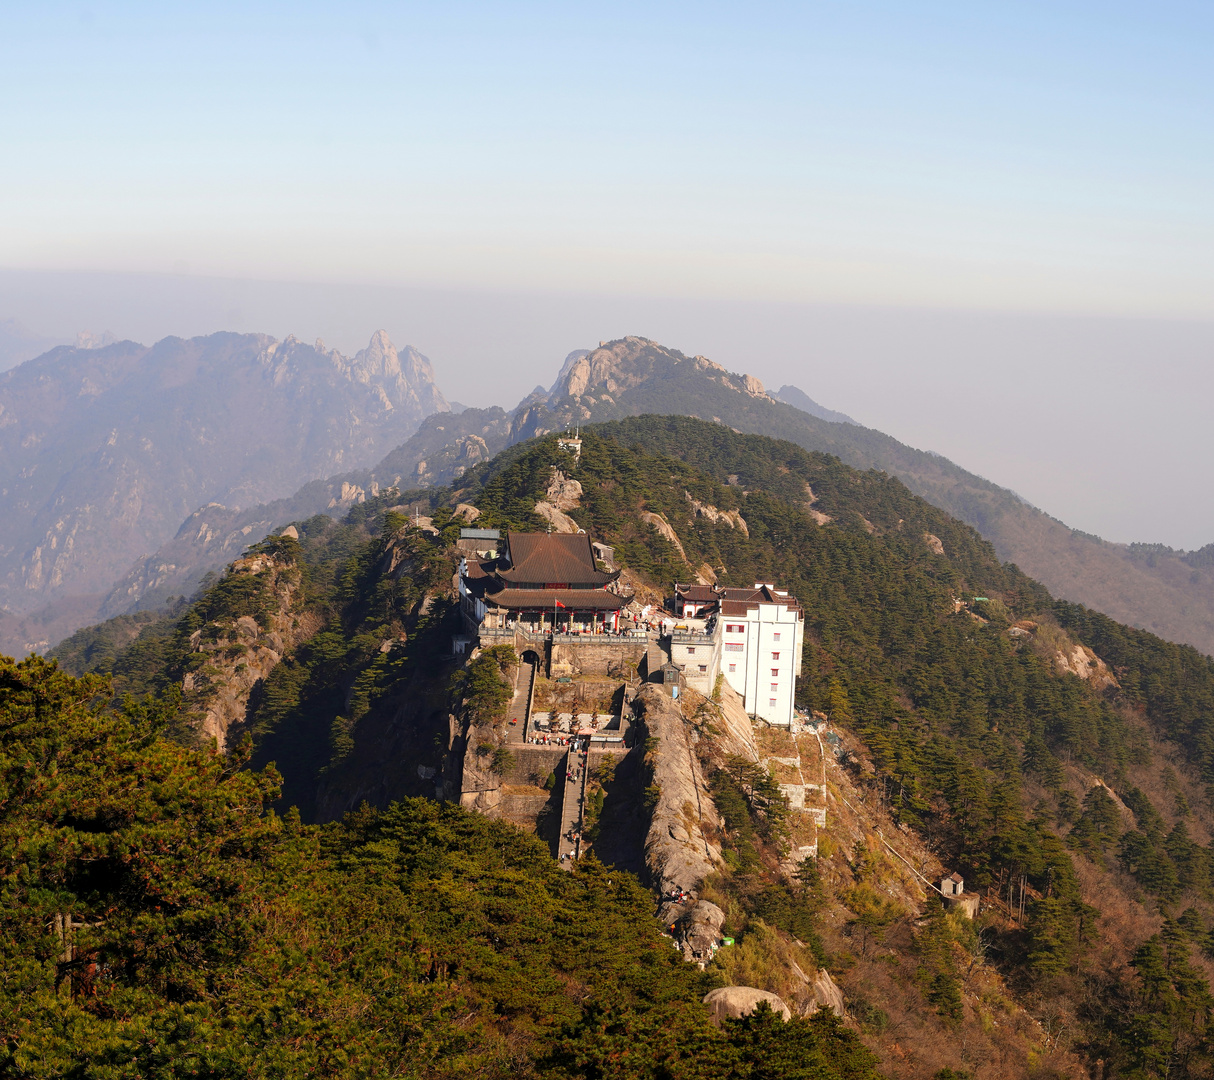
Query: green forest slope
(206, 936)
(943, 666)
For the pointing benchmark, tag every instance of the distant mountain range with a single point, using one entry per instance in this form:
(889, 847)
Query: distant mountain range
(247, 434)
(103, 451)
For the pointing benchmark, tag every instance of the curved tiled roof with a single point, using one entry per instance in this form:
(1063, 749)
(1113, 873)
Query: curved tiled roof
(542, 558)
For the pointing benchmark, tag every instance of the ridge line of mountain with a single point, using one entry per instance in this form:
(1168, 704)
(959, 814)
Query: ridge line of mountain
(1148, 586)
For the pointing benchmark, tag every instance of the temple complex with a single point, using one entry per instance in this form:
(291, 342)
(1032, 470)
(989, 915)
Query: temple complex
(586, 648)
(541, 582)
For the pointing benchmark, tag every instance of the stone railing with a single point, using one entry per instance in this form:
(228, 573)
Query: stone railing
(691, 637)
(490, 634)
(573, 639)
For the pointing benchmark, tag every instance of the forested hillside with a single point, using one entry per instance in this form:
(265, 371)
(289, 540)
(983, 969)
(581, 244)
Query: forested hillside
(1061, 762)
(159, 920)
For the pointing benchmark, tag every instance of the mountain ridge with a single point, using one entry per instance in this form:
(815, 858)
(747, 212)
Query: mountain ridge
(1167, 592)
(1058, 762)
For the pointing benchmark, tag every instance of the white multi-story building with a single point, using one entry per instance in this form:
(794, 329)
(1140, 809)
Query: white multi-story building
(753, 637)
(762, 631)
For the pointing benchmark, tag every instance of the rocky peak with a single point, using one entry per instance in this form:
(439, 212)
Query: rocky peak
(404, 375)
(379, 359)
(616, 367)
(562, 375)
(397, 378)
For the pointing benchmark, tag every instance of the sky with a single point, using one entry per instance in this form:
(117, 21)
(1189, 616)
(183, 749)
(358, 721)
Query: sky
(987, 229)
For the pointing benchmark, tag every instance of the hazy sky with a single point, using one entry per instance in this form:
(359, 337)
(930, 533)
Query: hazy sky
(1053, 154)
(985, 228)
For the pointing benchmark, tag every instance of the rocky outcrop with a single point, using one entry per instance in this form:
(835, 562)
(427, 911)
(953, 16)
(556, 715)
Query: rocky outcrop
(563, 492)
(230, 656)
(732, 518)
(632, 376)
(616, 367)
(662, 527)
(678, 854)
(824, 994)
(1080, 661)
(449, 462)
(698, 930)
(752, 386)
(732, 1002)
(934, 544)
(350, 495)
(560, 521)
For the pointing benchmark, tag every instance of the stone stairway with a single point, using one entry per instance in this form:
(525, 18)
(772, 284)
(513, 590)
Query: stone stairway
(576, 764)
(517, 717)
(655, 657)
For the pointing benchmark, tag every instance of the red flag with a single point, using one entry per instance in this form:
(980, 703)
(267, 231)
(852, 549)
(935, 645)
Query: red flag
(558, 603)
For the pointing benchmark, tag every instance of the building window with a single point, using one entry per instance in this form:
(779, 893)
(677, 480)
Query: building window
(775, 637)
(703, 667)
(774, 672)
(735, 628)
(733, 669)
(771, 702)
(775, 656)
(775, 687)
(691, 648)
(733, 646)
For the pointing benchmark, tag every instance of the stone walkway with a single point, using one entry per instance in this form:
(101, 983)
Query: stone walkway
(517, 717)
(573, 806)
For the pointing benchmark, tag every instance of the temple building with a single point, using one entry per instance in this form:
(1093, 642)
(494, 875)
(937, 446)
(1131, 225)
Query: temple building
(540, 582)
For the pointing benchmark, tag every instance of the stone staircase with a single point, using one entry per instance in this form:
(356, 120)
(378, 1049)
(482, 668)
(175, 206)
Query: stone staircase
(655, 657)
(576, 763)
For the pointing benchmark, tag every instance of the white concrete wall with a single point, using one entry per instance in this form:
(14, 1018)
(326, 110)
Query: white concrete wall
(706, 653)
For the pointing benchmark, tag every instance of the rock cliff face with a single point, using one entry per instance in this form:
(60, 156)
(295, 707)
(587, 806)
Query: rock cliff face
(104, 451)
(230, 656)
(677, 851)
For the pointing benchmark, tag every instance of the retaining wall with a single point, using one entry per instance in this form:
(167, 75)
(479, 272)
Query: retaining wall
(609, 657)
